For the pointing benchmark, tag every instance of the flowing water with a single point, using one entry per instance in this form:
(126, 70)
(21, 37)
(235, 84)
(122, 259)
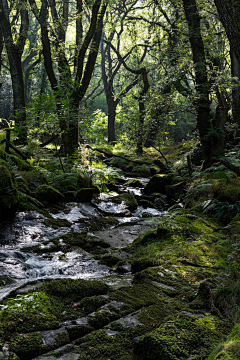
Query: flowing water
(18, 267)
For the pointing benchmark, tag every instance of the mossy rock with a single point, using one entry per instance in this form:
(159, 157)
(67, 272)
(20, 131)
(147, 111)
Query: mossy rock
(146, 204)
(175, 190)
(27, 346)
(31, 180)
(138, 295)
(102, 223)
(129, 200)
(134, 183)
(109, 260)
(179, 338)
(84, 195)
(78, 331)
(9, 198)
(71, 290)
(69, 196)
(73, 240)
(227, 190)
(20, 163)
(26, 323)
(99, 345)
(46, 193)
(202, 300)
(55, 223)
(91, 304)
(158, 183)
(154, 169)
(101, 319)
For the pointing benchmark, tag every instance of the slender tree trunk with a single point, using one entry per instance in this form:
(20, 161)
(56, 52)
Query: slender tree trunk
(235, 65)
(14, 52)
(112, 105)
(202, 86)
(142, 111)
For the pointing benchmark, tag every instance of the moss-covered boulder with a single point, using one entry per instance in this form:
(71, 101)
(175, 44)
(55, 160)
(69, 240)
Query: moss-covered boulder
(182, 337)
(46, 193)
(129, 200)
(9, 198)
(74, 290)
(134, 183)
(20, 163)
(69, 196)
(102, 223)
(227, 190)
(84, 195)
(27, 346)
(173, 191)
(158, 183)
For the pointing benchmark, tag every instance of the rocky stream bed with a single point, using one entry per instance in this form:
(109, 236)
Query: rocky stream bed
(112, 280)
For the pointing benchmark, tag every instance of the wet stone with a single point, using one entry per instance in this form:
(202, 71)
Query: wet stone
(167, 287)
(65, 352)
(128, 321)
(49, 337)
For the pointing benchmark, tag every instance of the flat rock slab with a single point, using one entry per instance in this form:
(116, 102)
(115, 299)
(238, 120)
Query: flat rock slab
(59, 354)
(49, 336)
(128, 321)
(122, 236)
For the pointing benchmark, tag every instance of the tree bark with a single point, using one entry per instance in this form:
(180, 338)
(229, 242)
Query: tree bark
(229, 13)
(235, 66)
(202, 86)
(141, 103)
(14, 51)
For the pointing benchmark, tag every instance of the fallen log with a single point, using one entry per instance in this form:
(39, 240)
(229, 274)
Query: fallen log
(230, 166)
(54, 137)
(109, 155)
(18, 152)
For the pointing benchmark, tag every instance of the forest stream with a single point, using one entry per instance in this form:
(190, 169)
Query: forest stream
(102, 280)
(29, 229)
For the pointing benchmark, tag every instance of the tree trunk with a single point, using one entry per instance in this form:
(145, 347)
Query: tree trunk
(235, 65)
(229, 13)
(142, 111)
(14, 52)
(202, 86)
(112, 105)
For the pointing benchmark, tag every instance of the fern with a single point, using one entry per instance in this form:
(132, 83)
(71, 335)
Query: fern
(197, 189)
(221, 210)
(37, 204)
(13, 168)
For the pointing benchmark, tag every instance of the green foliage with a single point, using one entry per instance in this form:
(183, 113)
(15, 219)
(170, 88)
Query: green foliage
(28, 304)
(97, 174)
(221, 210)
